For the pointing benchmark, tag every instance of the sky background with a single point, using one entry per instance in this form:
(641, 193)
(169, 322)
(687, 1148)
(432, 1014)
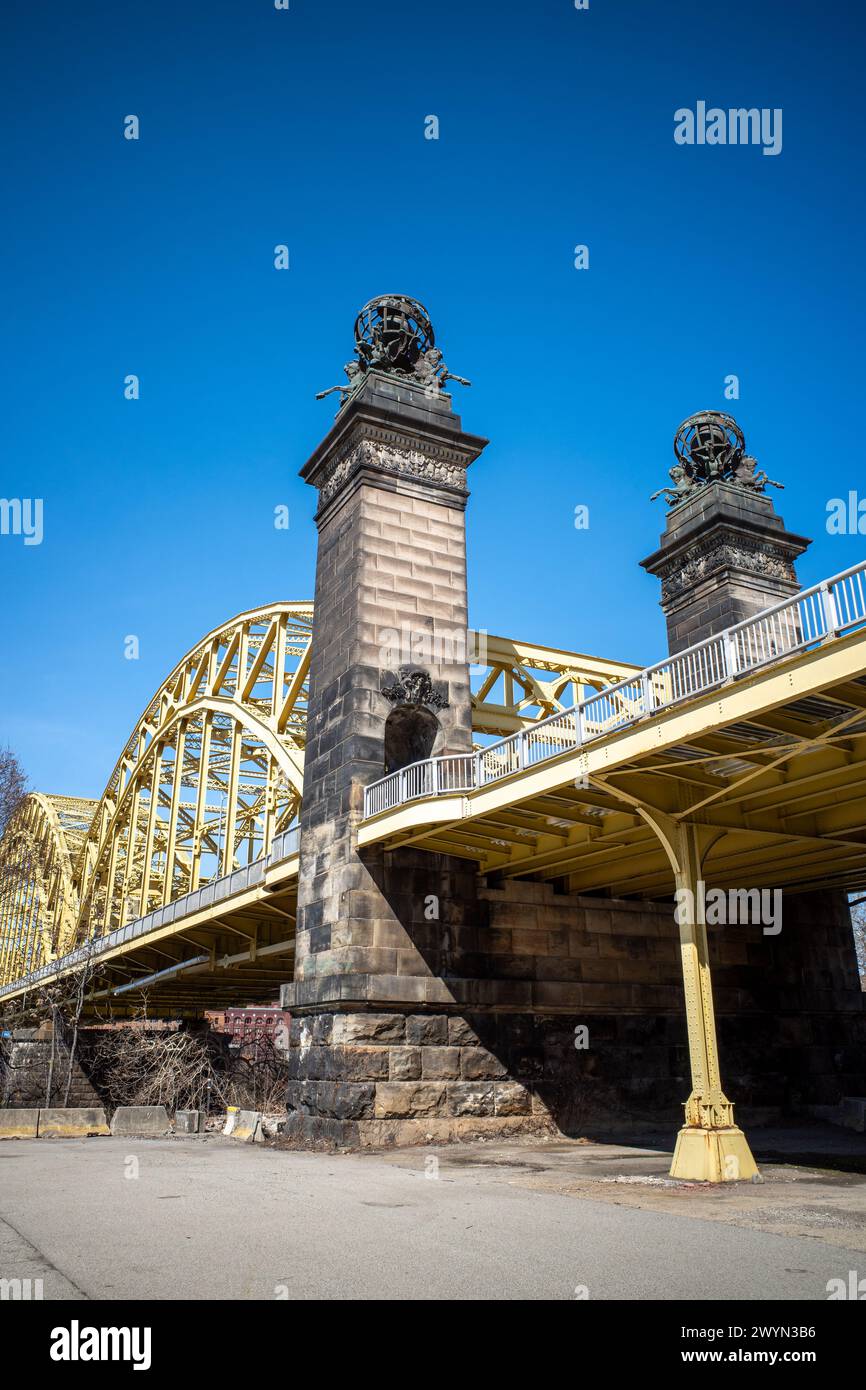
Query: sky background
(306, 127)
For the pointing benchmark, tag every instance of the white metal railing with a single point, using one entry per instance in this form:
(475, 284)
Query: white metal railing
(282, 846)
(812, 616)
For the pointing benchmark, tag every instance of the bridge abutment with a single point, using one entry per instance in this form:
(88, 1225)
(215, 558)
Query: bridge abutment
(429, 1002)
(574, 1022)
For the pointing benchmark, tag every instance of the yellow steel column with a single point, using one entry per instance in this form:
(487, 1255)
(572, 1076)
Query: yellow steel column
(132, 838)
(710, 1147)
(232, 797)
(174, 812)
(150, 831)
(278, 665)
(10, 894)
(7, 886)
(270, 804)
(110, 886)
(200, 799)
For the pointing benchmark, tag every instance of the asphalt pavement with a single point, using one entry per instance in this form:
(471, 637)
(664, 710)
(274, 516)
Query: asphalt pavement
(190, 1218)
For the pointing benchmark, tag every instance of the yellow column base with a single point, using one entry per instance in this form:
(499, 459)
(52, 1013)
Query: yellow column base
(713, 1155)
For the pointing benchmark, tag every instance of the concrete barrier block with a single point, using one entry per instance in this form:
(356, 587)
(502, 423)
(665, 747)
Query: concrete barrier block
(140, 1121)
(245, 1125)
(853, 1113)
(189, 1122)
(72, 1122)
(19, 1124)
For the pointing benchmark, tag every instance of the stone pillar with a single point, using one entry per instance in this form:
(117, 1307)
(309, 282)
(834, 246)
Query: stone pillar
(377, 1045)
(725, 554)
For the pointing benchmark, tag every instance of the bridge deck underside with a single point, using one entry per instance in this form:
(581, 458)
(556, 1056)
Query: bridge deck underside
(248, 942)
(776, 766)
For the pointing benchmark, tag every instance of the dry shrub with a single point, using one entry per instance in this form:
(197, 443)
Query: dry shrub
(186, 1070)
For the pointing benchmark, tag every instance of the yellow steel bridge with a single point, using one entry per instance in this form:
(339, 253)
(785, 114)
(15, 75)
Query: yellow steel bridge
(744, 756)
(740, 760)
(179, 883)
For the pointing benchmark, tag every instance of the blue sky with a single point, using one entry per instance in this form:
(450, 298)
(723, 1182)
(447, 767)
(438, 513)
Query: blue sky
(306, 127)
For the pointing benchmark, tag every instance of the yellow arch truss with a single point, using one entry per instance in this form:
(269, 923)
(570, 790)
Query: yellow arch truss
(211, 772)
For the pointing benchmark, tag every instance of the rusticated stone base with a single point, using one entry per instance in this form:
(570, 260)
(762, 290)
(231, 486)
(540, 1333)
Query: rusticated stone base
(398, 1078)
(392, 1077)
(381, 1134)
(368, 1066)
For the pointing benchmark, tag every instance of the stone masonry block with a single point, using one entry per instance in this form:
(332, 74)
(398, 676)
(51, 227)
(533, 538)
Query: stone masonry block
(336, 1100)
(477, 1064)
(427, 1030)
(440, 1063)
(369, 1028)
(410, 1098)
(461, 1033)
(344, 1064)
(465, 1098)
(511, 1098)
(404, 1063)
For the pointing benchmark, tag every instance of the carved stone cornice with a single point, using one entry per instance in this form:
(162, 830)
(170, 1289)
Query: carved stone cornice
(395, 434)
(400, 461)
(707, 558)
(719, 547)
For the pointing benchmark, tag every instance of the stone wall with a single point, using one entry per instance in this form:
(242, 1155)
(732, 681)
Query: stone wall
(537, 964)
(25, 1066)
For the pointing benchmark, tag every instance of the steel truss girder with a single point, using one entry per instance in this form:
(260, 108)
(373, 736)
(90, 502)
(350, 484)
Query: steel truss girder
(213, 769)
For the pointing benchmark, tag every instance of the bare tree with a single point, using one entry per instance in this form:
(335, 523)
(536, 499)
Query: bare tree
(858, 921)
(13, 786)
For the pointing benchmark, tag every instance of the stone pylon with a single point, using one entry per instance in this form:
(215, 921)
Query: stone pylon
(385, 940)
(724, 555)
